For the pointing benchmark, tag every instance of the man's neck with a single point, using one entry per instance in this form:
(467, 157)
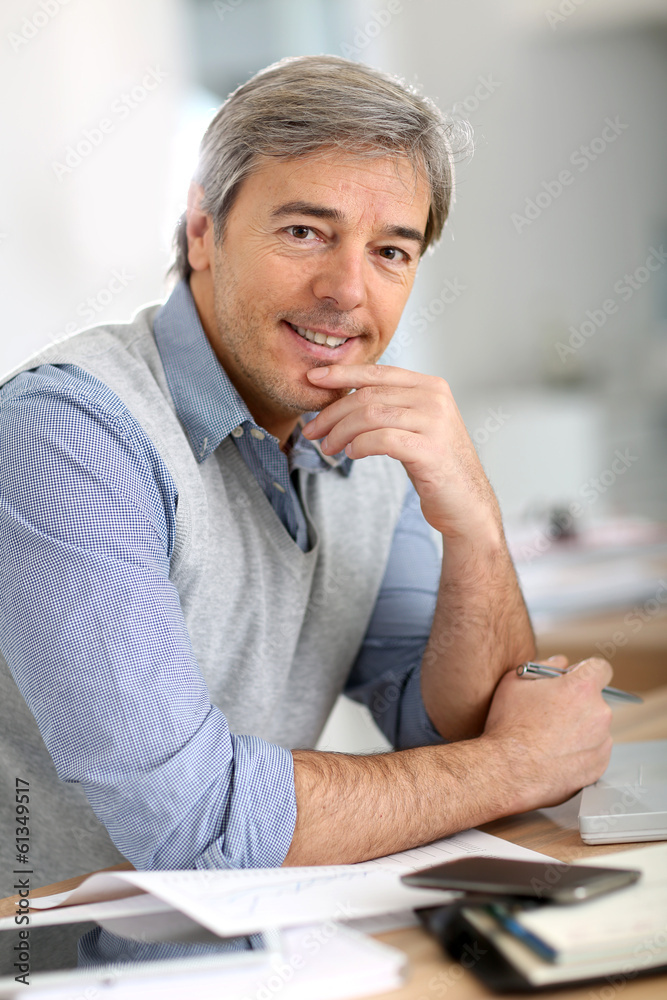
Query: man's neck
(281, 429)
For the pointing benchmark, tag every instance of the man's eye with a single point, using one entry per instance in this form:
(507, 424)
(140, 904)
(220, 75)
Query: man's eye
(393, 253)
(299, 232)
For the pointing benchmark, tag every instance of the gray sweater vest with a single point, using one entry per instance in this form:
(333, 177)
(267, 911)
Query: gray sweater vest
(275, 630)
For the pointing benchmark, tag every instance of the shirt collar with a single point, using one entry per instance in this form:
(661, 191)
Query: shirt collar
(207, 403)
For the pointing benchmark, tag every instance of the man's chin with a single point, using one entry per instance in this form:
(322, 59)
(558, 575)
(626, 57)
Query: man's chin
(292, 401)
(325, 397)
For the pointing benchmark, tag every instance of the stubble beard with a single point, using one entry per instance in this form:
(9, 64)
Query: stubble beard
(240, 334)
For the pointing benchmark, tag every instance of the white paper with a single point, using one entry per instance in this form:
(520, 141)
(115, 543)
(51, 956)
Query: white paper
(228, 909)
(231, 902)
(457, 846)
(103, 886)
(139, 906)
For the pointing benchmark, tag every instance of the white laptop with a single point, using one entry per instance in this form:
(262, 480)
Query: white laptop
(629, 802)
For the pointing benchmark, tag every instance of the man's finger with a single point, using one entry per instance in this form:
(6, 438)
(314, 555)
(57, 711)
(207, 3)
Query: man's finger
(594, 666)
(359, 422)
(356, 376)
(398, 444)
(393, 398)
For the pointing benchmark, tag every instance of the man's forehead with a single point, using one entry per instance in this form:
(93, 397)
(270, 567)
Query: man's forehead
(323, 184)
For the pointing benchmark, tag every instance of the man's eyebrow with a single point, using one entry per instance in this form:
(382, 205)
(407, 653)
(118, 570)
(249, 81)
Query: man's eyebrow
(307, 208)
(407, 233)
(334, 215)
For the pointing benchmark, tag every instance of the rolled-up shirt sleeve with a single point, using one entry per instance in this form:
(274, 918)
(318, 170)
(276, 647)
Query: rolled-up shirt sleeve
(94, 635)
(386, 676)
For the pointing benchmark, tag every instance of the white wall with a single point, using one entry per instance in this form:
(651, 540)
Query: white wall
(535, 94)
(65, 233)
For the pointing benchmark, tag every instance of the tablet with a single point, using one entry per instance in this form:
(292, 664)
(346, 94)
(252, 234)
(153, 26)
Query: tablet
(629, 802)
(85, 957)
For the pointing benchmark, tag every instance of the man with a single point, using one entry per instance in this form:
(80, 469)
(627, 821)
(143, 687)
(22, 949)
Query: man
(189, 580)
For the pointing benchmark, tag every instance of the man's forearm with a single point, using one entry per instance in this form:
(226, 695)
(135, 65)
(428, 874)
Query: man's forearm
(480, 630)
(352, 808)
(534, 752)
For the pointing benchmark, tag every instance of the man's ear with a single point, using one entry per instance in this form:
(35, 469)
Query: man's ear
(199, 230)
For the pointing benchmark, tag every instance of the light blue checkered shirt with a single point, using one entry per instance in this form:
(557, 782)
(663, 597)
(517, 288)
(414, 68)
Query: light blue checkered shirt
(83, 525)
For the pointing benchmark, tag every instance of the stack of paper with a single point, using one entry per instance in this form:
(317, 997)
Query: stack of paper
(614, 926)
(618, 935)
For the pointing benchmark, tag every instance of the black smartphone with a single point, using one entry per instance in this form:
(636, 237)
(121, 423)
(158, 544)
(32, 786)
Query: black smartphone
(542, 881)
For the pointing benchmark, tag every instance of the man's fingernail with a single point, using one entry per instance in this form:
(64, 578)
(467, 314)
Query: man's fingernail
(318, 372)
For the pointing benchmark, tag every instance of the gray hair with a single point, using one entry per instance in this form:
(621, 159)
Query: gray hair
(303, 105)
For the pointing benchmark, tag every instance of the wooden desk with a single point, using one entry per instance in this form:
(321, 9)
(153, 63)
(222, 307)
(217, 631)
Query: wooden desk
(554, 831)
(634, 642)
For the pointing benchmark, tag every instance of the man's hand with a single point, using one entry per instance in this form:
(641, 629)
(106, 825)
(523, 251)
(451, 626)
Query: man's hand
(480, 627)
(414, 419)
(555, 735)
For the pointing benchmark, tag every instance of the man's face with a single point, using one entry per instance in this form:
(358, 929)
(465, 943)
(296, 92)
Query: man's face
(328, 245)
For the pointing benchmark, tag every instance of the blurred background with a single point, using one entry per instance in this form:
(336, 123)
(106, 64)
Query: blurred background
(545, 306)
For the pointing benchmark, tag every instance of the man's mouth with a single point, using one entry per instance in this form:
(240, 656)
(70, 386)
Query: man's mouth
(317, 337)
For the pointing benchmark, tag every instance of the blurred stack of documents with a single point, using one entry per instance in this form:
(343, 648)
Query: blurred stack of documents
(609, 565)
(348, 965)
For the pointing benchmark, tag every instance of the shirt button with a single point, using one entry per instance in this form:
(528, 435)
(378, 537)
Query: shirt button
(281, 489)
(237, 432)
(256, 433)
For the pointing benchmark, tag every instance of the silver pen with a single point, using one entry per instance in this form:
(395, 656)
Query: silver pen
(540, 670)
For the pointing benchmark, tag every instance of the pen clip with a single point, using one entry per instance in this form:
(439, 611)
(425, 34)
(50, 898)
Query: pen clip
(540, 670)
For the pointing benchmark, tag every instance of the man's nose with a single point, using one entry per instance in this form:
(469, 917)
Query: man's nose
(341, 279)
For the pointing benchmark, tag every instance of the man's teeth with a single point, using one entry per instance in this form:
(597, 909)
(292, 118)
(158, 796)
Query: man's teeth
(319, 338)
